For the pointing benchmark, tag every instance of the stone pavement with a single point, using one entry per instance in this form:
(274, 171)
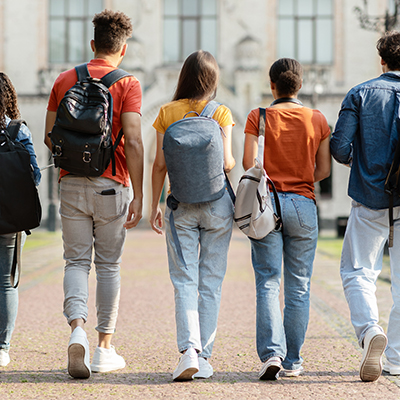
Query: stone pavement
(146, 335)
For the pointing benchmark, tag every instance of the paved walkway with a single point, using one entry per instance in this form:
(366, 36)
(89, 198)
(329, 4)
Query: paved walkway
(146, 335)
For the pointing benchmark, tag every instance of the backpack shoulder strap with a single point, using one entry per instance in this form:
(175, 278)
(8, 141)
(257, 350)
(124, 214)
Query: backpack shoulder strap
(14, 127)
(82, 71)
(209, 109)
(261, 135)
(392, 183)
(114, 76)
(261, 124)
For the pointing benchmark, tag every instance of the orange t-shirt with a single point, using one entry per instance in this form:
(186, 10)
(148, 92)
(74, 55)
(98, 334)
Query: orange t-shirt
(127, 97)
(292, 139)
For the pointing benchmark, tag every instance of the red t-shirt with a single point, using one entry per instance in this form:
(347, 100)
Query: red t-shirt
(127, 97)
(292, 139)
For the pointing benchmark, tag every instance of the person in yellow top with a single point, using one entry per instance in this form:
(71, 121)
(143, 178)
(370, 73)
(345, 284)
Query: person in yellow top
(203, 229)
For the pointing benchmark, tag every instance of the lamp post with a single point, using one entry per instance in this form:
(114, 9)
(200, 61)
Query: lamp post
(383, 23)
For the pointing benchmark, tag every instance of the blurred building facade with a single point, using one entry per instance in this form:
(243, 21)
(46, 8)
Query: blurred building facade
(41, 38)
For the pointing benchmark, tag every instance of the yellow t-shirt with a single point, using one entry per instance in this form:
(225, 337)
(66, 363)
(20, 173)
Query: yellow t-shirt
(176, 110)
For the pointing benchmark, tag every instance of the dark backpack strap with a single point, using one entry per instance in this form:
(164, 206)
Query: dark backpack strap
(230, 189)
(13, 128)
(209, 109)
(109, 80)
(82, 72)
(16, 263)
(391, 221)
(392, 183)
(279, 223)
(172, 204)
(115, 145)
(114, 76)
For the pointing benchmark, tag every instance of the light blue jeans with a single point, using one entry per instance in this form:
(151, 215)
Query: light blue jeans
(8, 294)
(204, 232)
(366, 233)
(296, 245)
(92, 220)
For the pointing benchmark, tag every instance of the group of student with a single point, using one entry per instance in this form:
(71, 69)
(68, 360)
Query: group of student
(96, 212)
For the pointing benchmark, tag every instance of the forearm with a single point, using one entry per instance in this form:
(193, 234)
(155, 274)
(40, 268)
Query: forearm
(134, 161)
(157, 183)
(250, 151)
(342, 153)
(229, 165)
(322, 161)
(320, 175)
(229, 161)
(347, 126)
(50, 119)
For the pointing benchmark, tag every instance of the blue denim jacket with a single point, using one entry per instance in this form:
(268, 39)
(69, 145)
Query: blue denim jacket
(365, 137)
(25, 137)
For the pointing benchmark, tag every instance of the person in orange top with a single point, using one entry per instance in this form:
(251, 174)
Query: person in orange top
(93, 210)
(296, 154)
(127, 98)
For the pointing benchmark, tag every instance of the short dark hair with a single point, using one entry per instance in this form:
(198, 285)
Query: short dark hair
(111, 29)
(198, 78)
(388, 47)
(8, 100)
(287, 74)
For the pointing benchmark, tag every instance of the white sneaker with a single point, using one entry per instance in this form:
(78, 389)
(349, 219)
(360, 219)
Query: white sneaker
(78, 354)
(291, 372)
(392, 369)
(371, 363)
(106, 360)
(4, 358)
(270, 369)
(205, 369)
(188, 365)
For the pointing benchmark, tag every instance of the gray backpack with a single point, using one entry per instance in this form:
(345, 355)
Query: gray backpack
(194, 155)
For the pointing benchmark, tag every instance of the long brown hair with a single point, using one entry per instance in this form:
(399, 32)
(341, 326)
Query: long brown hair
(198, 78)
(8, 100)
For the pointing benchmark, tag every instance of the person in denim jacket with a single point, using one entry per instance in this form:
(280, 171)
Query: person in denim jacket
(365, 139)
(8, 293)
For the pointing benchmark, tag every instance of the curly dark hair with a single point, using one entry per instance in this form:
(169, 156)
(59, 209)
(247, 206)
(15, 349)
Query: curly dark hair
(111, 29)
(8, 100)
(287, 74)
(198, 78)
(388, 47)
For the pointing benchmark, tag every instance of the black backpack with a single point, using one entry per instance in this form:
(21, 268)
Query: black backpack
(392, 184)
(81, 137)
(20, 208)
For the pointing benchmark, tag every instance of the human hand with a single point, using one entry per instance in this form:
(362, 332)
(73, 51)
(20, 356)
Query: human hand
(156, 220)
(134, 213)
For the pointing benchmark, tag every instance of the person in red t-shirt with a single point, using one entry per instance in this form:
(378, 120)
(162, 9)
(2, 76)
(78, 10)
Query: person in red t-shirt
(93, 210)
(296, 154)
